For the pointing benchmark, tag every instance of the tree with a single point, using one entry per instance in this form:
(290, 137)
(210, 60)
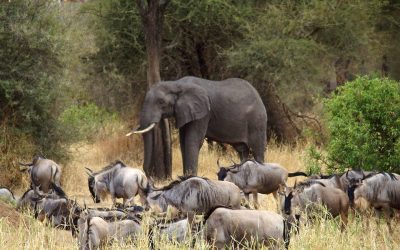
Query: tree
(152, 16)
(31, 71)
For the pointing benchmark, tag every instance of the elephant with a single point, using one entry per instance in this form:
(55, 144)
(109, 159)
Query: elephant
(229, 111)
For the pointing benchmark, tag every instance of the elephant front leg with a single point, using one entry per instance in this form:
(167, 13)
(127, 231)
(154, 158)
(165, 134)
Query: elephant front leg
(192, 136)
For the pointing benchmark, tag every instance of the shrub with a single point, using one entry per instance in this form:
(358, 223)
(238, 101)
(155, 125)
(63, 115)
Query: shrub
(84, 121)
(363, 120)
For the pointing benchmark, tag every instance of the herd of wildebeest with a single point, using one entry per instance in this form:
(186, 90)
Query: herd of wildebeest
(225, 217)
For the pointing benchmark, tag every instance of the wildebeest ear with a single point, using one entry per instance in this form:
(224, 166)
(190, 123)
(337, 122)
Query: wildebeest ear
(192, 104)
(155, 197)
(219, 165)
(88, 169)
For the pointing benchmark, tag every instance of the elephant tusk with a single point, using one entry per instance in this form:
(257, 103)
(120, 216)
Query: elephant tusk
(142, 131)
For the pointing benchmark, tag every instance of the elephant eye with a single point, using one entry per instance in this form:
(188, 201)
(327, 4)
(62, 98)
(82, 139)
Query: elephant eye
(161, 101)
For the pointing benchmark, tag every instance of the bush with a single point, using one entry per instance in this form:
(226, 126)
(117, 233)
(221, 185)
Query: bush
(363, 120)
(84, 121)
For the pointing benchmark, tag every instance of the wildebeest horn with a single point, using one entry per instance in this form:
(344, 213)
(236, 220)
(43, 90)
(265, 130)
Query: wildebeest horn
(88, 169)
(25, 164)
(218, 163)
(143, 130)
(232, 161)
(295, 184)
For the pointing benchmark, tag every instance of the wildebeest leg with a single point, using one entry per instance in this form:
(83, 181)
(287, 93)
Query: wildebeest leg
(114, 201)
(247, 197)
(387, 214)
(129, 201)
(343, 220)
(255, 199)
(276, 196)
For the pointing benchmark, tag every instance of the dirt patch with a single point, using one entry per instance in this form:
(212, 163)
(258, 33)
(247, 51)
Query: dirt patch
(10, 213)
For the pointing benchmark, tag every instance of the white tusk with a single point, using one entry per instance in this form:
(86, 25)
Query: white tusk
(144, 130)
(129, 134)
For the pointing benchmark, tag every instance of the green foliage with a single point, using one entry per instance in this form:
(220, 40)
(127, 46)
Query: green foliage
(295, 44)
(81, 122)
(118, 74)
(30, 73)
(363, 119)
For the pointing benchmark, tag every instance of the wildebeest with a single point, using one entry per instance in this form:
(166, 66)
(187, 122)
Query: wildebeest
(61, 211)
(343, 180)
(253, 177)
(120, 181)
(175, 230)
(43, 172)
(224, 227)
(195, 194)
(30, 197)
(381, 191)
(95, 232)
(307, 197)
(7, 195)
(114, 214)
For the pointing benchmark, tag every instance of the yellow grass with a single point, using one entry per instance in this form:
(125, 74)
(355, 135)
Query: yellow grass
(324, 234)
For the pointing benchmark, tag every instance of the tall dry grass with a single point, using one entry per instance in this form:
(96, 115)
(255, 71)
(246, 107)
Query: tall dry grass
(322, 234)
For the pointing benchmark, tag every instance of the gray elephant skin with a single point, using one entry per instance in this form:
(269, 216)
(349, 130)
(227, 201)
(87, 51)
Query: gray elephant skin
(229, 111)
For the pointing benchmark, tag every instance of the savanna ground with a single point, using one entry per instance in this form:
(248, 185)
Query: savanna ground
(20, 231)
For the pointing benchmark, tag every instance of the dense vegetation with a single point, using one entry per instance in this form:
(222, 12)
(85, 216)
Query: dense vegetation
(69, 64)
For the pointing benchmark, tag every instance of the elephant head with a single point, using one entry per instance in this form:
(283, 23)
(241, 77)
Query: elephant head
(184, 101)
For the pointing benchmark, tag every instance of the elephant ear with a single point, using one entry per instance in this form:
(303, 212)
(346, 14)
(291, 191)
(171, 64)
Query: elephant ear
(192, 104)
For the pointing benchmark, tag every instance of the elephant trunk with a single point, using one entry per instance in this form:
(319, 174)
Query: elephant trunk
(148, 152)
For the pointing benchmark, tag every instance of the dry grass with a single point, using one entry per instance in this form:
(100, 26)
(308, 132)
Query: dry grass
(27, 233)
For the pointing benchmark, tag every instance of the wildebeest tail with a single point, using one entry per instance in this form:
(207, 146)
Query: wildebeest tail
(297, 174)
(144, 184)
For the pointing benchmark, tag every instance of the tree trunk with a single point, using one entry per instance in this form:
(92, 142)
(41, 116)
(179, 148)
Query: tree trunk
(280, 120)
(159, 165)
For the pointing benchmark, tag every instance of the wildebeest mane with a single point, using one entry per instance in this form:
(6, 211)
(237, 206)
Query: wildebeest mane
(308, 183)
(176, 182)
(26, 192)
(111, 165)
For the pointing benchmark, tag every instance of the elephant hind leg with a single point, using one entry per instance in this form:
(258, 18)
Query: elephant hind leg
(257, 144)
(243, 151)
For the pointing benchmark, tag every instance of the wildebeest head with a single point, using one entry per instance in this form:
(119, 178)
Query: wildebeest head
(288, 203)
(91, 184)
(223, 171)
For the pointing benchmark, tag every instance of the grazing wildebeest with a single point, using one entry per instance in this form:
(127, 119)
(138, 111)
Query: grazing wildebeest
(115, 214)
(224, 227)
(195, 194)
(380, 190)
(120, 181)
(175, 230)
(95, 232)
(43, 172)
(32, 195)
(253, 177)
(6, 195)
(61, 211)
(307, 197)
